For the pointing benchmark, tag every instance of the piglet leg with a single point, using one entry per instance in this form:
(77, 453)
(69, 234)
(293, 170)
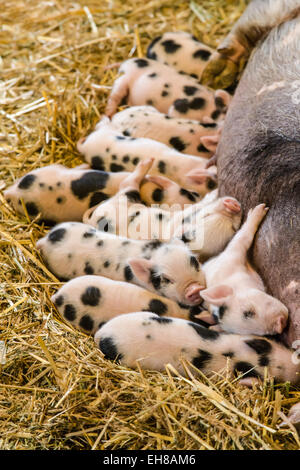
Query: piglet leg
(134, 179)
(243, 239)
(119, 91)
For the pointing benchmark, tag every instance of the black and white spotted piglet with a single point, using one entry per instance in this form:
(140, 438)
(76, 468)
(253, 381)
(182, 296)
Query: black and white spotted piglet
(107, 149)
(185, 135)
(61, 193)
(90, 301)
(73, 249)
(146, 81)
(181, 51)
(155, 341)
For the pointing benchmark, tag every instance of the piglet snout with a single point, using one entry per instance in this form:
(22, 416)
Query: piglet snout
(232, 205)
(192, 293)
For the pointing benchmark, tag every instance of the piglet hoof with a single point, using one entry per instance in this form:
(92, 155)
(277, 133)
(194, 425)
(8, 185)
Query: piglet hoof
(231, 205)
(216, 328)
(207, 317)
(257, 213)
(249, 381)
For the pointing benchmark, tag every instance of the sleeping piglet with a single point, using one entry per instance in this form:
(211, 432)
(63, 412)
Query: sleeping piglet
(182, 51)
(170, 269)
(148, 82)
(185, 135)
(206, 226)
(235, 292)
(90, 301)
(61, 193)
(155, 341)
(107, 149)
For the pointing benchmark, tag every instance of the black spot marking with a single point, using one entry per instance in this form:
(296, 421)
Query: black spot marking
(152, 75)
(164, 93)
(59, 301)
(125, 159)
(202, 54)
(159, 216)
(133, 196)
(114, 167)
(222, 310)
(181, 105)
(194, 263)
(70, 312)
(100, 243)
(106, 264)
(135, 160)
(153, 245)
(215, 114)
(209, 124)
(248, 314)
(91, 296)
(161, 320)
(114, 157)
(191, 195)
(41, 185)
(141, 63)
(154, 279)
(27, 181)
(158, 307)
(260, 345)
(88, 269)
(128, 274)
(152, 43)
(158, 195)
(87, 323)
(97, 197)
(148, 337)
(202, 359)
(211, 183)
(150, 102)
(244, 368)
(89, 234)
(177, 143)
(197, 103)
(31, 208)
(127, 133)
(170, 46)
(61, 200)
(167, 85)
(88, 183)
(97, 163)
(219, 102)
(190, 90)
(161, 166)
(56, 235)
(50, 188)
(109, 349)
(228, 354)
(201, 148)
(205, 333)
(120, 137)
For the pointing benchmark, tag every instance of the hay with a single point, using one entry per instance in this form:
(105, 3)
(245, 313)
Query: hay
(56, 391)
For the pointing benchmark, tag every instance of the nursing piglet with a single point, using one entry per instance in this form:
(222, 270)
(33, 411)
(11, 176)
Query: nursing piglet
(107, 149)
(61, 193)
(185, 135)
(155, 341)
(182, 51)
(90, 301)
(146, 81)
(170, 269)
(235, 292)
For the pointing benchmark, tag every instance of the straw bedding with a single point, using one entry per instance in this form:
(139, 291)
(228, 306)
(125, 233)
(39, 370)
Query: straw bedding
(57, 391)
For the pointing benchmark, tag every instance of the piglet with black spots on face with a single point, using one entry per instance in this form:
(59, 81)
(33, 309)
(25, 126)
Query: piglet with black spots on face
(107, 149)
(185, 135)
(182, 51)
(170, 269)
(156, 341)
(146, 81)
(90, 301)
(61, 193)
(235, 293)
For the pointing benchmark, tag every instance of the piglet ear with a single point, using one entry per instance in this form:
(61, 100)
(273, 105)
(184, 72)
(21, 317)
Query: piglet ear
(217, 295)
(141, 268)
(210, 142)
(199, 176)
(161, 181)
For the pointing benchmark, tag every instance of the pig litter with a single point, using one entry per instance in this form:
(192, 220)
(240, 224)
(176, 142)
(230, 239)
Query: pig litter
(57, 391)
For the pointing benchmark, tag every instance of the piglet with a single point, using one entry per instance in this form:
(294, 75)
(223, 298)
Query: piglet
(146, 81)
(90, 301)
(235, 293)
(185, 135)
(107, 149)
(170, 269)
(154, 341)
(61, 193)
(182, 51)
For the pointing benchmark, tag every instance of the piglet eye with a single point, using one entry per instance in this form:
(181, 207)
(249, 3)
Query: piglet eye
(166, 280)
(249, 314)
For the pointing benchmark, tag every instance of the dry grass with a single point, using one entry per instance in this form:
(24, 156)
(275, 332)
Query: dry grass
(56, 391)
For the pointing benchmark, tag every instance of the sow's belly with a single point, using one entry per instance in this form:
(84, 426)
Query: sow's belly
(259, 161)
